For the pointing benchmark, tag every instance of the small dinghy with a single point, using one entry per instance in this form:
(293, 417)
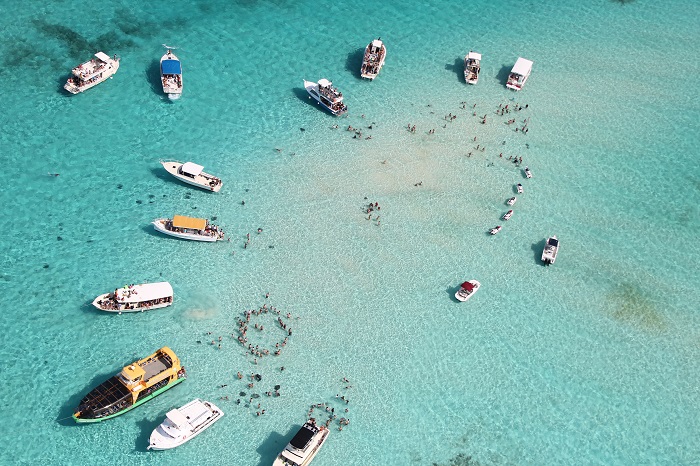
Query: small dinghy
(520, 188)
(493, 231)
(528, 173)
(512, 200)
(508, 215)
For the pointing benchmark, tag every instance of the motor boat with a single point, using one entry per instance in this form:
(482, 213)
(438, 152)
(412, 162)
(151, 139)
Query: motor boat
(520, 188)
(472, 67)
(183, 424)
(508, 215)
(528, 173)
(135, 298)
(326, 95)
(495, 230)
(467, 289)
(519, 74)
(551, 249)
(512, 200)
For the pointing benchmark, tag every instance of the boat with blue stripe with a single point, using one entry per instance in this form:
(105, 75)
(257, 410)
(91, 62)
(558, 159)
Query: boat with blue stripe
(171, 75)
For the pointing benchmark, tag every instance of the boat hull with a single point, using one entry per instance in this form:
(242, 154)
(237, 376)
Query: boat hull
(463, 296)
(119, 311)
(167, 387)
(370, 75)
(312, 90)
(280, 461)
(159, 226)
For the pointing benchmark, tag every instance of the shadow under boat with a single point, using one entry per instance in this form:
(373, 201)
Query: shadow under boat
(537, 249)
(458, 68)
(353, 62)
(274, 444)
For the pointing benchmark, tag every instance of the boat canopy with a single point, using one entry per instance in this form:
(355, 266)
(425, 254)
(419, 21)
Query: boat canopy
(302, 438)
(103, 57)
(178, 419)
(522, 67)
(180, 221)
(170, 67)
(467, 286)
(474, 56)
(553, 242)
(195, 410)
(191, 168)
(323, 82)
(145, 292)
(377, 43)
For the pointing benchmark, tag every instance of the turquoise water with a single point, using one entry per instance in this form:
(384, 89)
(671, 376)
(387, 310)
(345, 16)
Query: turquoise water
(591, 361)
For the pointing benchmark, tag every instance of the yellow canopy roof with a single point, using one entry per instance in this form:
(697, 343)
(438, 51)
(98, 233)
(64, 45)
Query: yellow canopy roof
(180, 221)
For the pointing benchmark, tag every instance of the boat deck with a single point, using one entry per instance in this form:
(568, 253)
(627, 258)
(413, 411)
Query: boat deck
(156, 365)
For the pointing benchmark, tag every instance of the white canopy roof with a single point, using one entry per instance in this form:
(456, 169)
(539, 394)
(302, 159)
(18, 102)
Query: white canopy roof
(103, 56)
(145, 292)
(192, 168)
(522, 67)
(474, 56)
(324, 82)
(177, 418)
(377, 43)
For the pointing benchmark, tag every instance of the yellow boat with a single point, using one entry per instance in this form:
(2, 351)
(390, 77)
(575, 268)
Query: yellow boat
(133, 386)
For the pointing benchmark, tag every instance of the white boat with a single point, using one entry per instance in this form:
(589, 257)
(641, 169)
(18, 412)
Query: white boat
(520, 188)
(528, 173)
(302, 449)
(472, 67)
(326, 95)
(171, 75)
(495, 230)
(551, 248)
(195, 229)
(467, 289)
(191, 173)
(373, 60)
(519, 74)
(136, 298)
(508, 215)
(512, 200)
(92, 72)
(183, 424)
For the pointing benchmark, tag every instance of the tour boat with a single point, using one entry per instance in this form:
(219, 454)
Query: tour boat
(495, 230)
(134, 298)
(171, 75)
(528, 173)
(373, 60)
(467, 289)
(302, 449)
(520, 188)
(136, 384)
(472, 67)
(195, 229)
(551, 248)
(92, 72)
(512, 200)
(508, 215)
(191, 173)
(183, 424)
(326, 95)
(519, 74)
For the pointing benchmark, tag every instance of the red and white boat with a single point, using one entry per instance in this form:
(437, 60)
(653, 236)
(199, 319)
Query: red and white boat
(467, 289)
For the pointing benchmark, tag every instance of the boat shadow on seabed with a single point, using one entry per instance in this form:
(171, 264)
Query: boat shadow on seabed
(274, 444)
(146, 427)
(452, 290)
(153, 78)
(537, 249)
(353, 62)
(458, 68)
(66, 411)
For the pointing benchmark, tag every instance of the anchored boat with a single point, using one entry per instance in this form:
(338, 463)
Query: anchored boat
(519, 74)
(183, 424)
(92, 72)
(302, 449)
(191, 173)
(136, 384)
(472, 67)
(467, 290)
(551, 249)
(171, 75)
(195, 229)
(326, 95)
(373, 60)
(135, 298)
